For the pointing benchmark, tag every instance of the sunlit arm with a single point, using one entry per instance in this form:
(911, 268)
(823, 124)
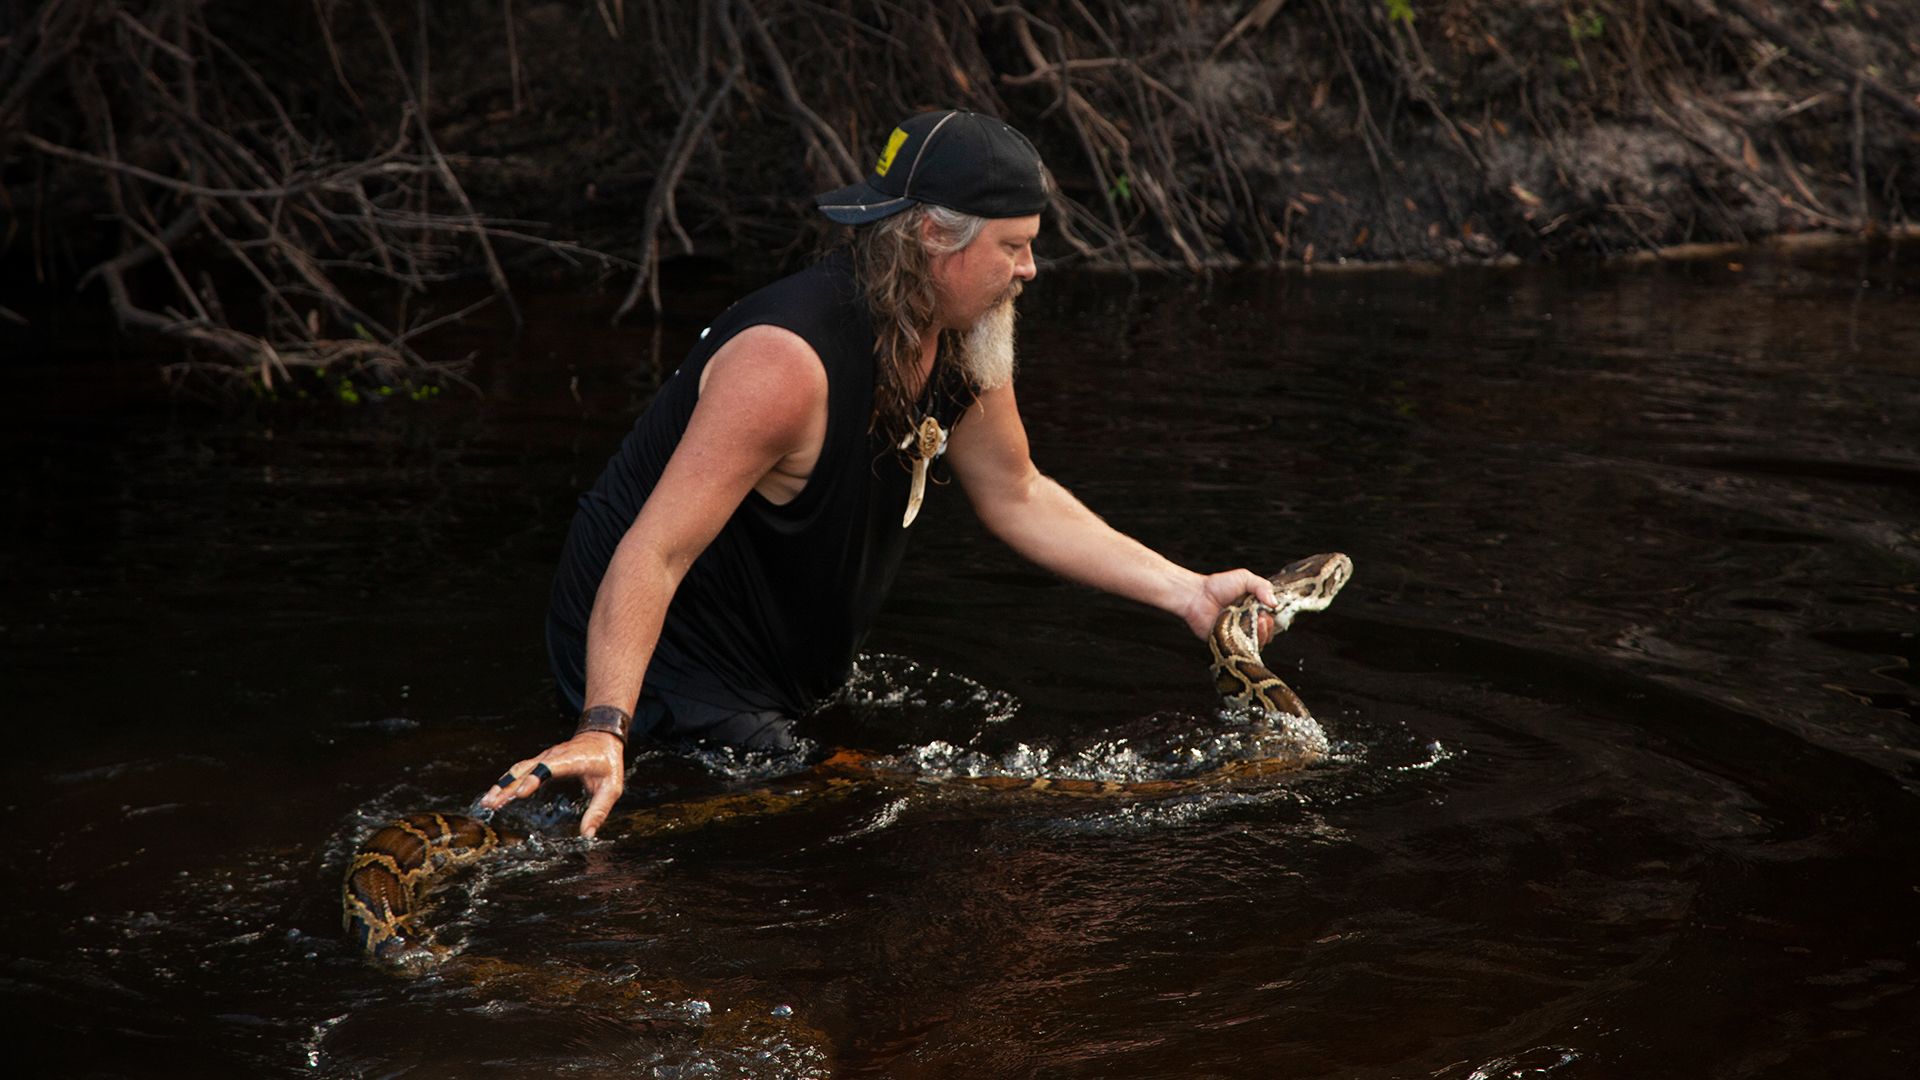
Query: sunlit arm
(762, 406)
(1043, 522)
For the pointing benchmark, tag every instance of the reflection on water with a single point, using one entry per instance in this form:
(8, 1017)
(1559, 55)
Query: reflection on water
(1620, 707)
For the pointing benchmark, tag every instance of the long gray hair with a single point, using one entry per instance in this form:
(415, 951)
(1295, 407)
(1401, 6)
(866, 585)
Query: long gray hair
(894, 268)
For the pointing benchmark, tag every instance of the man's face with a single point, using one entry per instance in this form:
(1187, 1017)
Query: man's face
(980, 276)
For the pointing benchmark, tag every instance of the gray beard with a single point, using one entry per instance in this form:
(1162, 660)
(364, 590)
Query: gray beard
(986, 350)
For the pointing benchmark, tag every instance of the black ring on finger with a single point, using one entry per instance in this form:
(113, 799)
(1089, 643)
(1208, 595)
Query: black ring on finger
(505, 780)
(540, 770)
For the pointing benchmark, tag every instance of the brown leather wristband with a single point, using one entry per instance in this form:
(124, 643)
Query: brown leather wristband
(611, 719)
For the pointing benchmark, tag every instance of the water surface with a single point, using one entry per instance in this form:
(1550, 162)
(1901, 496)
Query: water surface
(1622, 697)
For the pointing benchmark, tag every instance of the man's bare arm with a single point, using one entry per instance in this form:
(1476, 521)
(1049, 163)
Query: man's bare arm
(1042, 520)
(762, 402)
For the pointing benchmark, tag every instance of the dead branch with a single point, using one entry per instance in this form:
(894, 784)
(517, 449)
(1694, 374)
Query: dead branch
(417, 102)
(693, 127)
(1819, 57)
(155, 142)
(1254, 21)
(819, 133)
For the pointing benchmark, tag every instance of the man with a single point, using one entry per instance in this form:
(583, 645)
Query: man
(720, 576)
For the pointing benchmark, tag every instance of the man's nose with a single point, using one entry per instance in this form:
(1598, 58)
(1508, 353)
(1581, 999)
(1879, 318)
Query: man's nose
(1024, 269)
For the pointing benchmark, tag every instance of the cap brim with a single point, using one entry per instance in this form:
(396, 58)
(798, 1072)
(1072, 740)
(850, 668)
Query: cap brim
(858, 204)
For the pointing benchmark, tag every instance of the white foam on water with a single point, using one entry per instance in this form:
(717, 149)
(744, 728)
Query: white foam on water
(883, 818)
(887, 681)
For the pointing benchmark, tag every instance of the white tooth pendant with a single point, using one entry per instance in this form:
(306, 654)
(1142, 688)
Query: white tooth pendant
(927, 443)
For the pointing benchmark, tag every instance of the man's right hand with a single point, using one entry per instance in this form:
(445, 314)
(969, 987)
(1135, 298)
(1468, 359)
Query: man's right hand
(596, 757)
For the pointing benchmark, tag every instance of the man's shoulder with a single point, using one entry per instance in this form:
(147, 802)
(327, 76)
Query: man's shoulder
(769, 366)
(773, 343)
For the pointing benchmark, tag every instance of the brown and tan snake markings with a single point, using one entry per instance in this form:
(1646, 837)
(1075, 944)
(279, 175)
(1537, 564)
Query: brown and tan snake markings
(392, 872)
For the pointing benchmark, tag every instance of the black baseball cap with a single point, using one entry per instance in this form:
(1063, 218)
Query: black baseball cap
(961, 160)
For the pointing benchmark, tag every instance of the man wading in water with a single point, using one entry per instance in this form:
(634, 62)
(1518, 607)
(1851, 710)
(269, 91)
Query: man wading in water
(719, 578)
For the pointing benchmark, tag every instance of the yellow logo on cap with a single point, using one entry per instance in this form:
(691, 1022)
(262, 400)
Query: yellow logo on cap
(894, 142)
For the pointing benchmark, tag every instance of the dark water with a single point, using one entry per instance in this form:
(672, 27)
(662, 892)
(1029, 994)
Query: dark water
(1623, 699)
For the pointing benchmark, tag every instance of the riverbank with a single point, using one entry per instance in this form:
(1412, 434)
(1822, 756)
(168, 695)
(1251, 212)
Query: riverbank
(293, 195)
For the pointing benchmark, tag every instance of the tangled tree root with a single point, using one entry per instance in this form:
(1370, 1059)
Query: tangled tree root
(255, 192)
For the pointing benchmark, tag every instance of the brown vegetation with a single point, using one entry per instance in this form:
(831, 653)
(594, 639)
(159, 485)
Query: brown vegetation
(245, 184)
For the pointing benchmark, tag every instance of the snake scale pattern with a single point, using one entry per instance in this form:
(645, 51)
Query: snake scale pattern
(395, 867)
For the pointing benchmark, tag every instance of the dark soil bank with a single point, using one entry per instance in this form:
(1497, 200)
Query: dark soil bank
(413, 142)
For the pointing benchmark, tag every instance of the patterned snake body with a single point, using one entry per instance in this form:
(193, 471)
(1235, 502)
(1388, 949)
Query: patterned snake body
(394, 868)
(1242, 678)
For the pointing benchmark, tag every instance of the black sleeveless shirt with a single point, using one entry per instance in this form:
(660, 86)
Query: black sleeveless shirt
(772, 614)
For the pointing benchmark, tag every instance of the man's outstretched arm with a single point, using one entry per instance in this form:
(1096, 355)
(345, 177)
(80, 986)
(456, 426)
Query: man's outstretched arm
(1041, 520)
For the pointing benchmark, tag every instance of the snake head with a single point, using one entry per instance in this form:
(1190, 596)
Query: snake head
(1309, 584)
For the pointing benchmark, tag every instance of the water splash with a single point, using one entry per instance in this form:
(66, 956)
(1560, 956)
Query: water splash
(1539, 1061)
(734, 763)
(1437, 755)
(318, 1035)
(883, 818)
(1172, 748)
(886, 681)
